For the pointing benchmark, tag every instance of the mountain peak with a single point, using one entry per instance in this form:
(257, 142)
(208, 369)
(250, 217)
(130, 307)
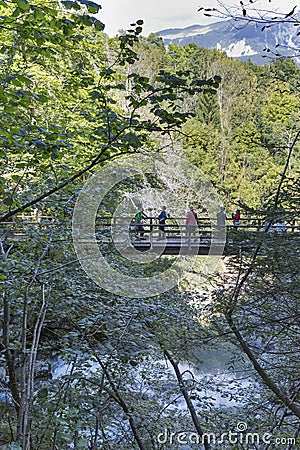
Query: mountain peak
(242, 40)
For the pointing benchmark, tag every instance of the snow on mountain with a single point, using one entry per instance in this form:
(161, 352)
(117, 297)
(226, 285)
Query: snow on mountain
(239, 40)
(237, 49)
(195, 30)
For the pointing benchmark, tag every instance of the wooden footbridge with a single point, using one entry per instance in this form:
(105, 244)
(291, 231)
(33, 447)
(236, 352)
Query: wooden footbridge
(205, 238)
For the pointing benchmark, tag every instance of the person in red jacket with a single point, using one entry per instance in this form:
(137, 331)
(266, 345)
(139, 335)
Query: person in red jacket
(236, 218)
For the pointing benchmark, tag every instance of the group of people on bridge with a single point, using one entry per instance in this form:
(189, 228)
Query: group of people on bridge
(191, 221)
(192, 225)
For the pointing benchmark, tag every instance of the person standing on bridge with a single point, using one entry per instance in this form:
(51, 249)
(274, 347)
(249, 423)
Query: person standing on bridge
(139, 216)
(191, 224)
(236, 218)
(162, 221)
(221, 218)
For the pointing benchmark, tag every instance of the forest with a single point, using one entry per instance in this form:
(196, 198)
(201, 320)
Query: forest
(211, 362)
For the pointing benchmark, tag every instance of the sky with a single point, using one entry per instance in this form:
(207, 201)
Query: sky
(162, 14)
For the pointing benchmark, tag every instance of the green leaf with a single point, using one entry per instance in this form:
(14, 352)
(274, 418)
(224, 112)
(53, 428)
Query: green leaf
(23, 5)
(8, 201)
(71, 5)
(38, 14)
(68, 30)
(3, 97)
(55, 155)
(99, 26)
(25, 80)
(92, 7)
(42, 98)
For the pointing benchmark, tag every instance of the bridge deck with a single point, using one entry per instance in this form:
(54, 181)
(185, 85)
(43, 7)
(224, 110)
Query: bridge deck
(123, 233)
(176, 245)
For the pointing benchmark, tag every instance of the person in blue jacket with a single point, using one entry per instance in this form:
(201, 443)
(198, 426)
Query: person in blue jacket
(162, 221)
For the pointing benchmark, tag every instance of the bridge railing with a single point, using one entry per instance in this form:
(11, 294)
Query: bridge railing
(174, 226)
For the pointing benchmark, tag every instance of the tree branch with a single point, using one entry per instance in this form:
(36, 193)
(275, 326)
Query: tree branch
(188, 400)
(262, 373)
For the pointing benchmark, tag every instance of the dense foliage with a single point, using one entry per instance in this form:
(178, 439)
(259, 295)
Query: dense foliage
(86, 369)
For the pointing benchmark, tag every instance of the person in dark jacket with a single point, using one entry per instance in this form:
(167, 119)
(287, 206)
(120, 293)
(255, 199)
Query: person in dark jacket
(162, 221)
